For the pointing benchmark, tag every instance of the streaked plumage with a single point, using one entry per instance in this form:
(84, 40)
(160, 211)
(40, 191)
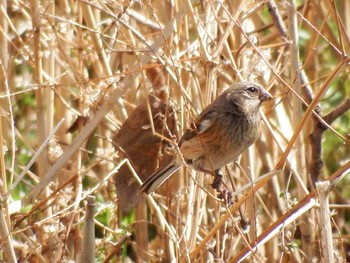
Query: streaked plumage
(224, 129)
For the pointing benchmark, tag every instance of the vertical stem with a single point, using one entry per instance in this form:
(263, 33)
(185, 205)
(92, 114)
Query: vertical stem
(294, 57)
(39, 96)
(325, 226)
(4, 180)
(3, 82)
(3, 185)
(346, 16)
(4, 58)
(88, 247)
(297, 115)
(141, 232)
(5, 237)
(49, 66)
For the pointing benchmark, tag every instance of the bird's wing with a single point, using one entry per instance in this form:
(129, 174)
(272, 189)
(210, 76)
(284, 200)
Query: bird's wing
(191, 144)
(202, 123)
(204, 120)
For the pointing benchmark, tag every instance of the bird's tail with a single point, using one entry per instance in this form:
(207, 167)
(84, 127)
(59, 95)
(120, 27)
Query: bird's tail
(158, 177)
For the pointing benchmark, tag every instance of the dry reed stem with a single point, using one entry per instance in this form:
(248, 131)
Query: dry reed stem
(5, 235)
(303, 205)
(88, 129)
(324, 216)
(65, 59)
(87, 254)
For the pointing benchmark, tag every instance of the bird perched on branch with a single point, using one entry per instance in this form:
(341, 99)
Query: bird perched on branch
(224, 129)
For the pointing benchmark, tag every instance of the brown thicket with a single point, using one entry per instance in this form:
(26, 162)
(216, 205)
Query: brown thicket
(71, 73)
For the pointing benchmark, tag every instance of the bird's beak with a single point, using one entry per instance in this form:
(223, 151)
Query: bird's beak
(264, 96)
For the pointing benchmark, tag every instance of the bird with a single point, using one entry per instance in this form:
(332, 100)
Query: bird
(218, 135)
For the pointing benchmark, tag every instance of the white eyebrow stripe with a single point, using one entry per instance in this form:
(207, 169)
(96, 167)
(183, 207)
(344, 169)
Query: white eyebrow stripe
(204, 125)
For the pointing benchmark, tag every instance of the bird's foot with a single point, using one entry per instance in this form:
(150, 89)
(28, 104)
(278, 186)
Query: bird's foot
(226, 196)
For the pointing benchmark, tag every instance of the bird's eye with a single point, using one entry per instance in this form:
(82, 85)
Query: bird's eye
(252, 89)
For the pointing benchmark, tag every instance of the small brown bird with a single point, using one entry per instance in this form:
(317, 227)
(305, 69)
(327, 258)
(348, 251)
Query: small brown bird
(224, 129)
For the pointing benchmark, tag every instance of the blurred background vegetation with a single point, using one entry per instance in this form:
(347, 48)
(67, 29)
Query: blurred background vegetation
(72, 72)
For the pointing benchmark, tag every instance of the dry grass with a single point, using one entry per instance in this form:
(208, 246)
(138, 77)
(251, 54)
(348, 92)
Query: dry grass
(88, 58)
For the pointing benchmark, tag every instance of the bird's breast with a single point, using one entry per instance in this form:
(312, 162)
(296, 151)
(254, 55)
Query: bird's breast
(221, 143)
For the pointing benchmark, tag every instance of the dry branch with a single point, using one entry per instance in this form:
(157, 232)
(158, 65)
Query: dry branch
(62, 59)
(316, 138)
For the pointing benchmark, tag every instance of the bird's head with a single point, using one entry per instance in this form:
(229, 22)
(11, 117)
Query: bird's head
(248, 96)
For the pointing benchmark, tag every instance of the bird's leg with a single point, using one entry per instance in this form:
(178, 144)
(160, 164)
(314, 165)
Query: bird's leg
(217, 180)
(217, 177)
